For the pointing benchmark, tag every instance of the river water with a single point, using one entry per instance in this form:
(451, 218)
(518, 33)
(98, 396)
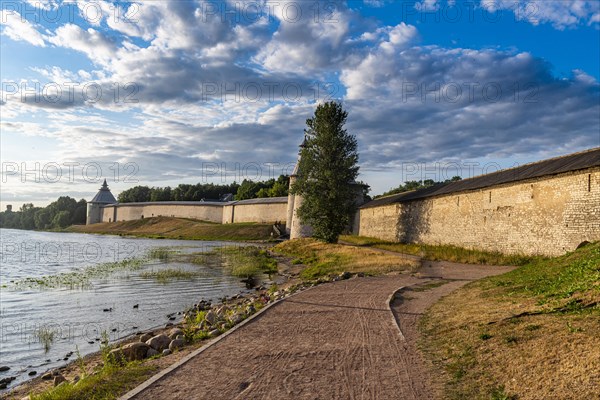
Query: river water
(78, 315)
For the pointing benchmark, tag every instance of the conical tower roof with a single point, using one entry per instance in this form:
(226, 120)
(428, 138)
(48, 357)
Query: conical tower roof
(104, 196)
(297, 166)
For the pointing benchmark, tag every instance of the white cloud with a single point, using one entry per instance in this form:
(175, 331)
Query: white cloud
(560, 13)
(18, 28)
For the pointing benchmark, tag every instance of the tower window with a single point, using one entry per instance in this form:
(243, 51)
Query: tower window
(589, 182)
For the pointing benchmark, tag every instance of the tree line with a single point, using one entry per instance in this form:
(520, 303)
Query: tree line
(248, 189)
(66, 211)
(63, 212)
(414, 185)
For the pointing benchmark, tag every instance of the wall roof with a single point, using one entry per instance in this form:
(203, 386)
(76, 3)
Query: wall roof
(266, 200)
(572, 162)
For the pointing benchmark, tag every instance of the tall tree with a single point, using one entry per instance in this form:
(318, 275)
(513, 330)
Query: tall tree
(328, 168)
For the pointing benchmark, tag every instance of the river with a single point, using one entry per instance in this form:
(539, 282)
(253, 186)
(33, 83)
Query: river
(119, 302)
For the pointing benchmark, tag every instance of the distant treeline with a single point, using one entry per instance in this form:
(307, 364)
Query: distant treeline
(414, 185)
(63, 212)
(208, 191)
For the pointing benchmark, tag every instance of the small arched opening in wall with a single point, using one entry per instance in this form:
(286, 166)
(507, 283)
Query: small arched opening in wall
(589, 183)
(142, 216)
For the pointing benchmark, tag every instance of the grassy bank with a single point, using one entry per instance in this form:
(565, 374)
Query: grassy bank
(241, 261)
(179, 228)
(533, 333)
(322, 259)
(442, 252)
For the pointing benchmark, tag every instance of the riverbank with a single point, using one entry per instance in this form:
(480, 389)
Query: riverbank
(180, 228)
(507, 337)
(104, 374)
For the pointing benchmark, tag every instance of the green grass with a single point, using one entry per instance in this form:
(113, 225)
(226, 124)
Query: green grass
(107, 383)
(169, 274)
(558, 282)
(326, 260)
(162, 253)
(443, 252)
(241, 261)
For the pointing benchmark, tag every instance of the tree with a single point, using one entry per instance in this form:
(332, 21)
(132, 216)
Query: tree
(62, 219)
(328, 168)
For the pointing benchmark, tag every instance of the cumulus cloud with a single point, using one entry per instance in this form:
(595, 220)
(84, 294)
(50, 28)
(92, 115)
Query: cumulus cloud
(89, 41)
(430, 102)
(18, 28)
(207, 87)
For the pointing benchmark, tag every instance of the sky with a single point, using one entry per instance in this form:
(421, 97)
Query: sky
(160, 93)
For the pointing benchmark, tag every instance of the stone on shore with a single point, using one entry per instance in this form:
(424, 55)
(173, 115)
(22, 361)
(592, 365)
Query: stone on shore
(131, 352)
(166, 352)
(58, 379)
(4, 368)
(151, 352)
(145, 337)
(210, 317)
(176, 344)
(159, 342)
(173, 333)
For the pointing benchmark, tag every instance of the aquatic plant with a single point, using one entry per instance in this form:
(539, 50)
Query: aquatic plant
(80, 279)
(45, 336)
(169, 274)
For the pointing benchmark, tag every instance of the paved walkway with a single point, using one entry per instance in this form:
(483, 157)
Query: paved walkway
(335, 341)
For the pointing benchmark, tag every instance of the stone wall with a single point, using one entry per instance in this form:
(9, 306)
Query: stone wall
(134, 211)
(549, 215)
(258, 212)
(261, 213)
(379, 222)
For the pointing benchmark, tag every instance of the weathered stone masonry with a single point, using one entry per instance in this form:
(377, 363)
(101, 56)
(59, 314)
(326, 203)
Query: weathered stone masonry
(549, 215)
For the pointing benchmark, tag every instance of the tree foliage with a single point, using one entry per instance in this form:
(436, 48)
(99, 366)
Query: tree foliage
(61, 213)
(328, 168)
(207, 191)
(415, 185)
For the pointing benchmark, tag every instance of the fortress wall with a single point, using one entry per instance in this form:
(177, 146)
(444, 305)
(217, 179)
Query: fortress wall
(261, 213)
(108, 213)
(220, 213)
(203, 212)
(549, 216)
(379, 222)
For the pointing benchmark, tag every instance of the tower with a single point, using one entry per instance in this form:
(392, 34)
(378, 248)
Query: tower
(293, 224)
(94, 207)
(294, 227)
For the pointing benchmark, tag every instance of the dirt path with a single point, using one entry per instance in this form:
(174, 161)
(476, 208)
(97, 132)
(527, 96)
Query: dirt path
(334, 341)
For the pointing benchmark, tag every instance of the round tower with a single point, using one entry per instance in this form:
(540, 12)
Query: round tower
(296, 228)
(94, 207)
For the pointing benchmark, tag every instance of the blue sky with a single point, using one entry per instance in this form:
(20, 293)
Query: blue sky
(163, 93)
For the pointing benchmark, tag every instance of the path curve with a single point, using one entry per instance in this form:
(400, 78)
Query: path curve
(335, 341)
